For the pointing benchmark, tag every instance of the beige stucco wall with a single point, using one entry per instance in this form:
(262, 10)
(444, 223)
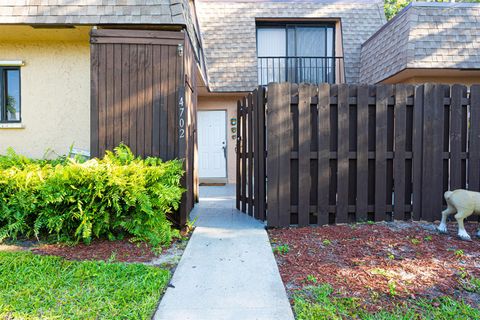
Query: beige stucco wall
(228, 103)
(55, 95)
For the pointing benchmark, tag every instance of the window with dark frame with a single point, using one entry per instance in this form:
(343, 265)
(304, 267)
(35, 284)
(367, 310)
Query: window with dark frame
(296, 52)
(10, 95)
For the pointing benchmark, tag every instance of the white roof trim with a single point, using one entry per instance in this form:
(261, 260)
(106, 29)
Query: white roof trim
(11, 63)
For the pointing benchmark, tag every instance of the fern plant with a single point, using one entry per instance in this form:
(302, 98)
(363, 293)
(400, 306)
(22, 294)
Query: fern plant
(72, 200)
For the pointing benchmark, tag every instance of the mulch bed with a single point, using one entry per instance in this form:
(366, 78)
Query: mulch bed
(118, 250)
(382, 264)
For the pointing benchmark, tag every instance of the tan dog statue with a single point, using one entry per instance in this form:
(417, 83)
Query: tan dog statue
(464, 203)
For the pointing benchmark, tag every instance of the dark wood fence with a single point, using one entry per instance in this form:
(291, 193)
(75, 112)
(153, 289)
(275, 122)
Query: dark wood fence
(142, 85)
(251, 154)
(344, 153)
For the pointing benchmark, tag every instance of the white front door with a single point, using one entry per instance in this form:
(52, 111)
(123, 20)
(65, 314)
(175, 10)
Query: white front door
(212, 147)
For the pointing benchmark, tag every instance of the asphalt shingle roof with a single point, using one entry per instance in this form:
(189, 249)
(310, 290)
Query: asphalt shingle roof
(100, 12)
(228, 27)
(229, 33)
(92, 12)
(424, 35)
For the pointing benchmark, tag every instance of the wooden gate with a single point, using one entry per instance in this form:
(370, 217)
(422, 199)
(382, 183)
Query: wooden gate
(143, 95)
(346, 153)
(251, 154)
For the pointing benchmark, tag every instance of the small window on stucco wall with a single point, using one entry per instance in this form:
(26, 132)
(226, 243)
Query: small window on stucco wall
(10, 95)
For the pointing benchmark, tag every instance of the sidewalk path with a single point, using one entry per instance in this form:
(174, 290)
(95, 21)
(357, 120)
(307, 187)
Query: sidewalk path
(228, 270)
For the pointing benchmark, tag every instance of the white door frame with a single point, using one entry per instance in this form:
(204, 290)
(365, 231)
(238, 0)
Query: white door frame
(225, 178)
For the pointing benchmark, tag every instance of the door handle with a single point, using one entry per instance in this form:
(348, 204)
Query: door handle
(224, 150)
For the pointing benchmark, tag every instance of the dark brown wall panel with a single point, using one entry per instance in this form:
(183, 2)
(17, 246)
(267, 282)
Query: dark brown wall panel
(138, 78)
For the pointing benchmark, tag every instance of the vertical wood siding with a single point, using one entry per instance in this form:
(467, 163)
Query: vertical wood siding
(138, 80)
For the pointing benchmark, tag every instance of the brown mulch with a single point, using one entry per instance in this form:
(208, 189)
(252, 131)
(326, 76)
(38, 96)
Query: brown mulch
(118, 250)
(367, 261)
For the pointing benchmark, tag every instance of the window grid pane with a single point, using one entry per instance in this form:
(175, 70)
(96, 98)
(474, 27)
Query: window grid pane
(10, 95)
(296, 53)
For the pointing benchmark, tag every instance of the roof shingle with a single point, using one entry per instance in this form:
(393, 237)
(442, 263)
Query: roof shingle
(92, 11)
(229, 34)
(424, 35)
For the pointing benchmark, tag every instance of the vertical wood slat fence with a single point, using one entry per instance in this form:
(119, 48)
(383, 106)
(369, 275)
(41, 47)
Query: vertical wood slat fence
(251, 154)
(344, 153)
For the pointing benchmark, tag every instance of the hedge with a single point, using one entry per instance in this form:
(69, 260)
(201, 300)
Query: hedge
(71, 199)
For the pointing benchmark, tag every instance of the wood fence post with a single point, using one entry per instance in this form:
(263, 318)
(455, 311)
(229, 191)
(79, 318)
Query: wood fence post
(432, 169)
(256, 154)
(362, 153)
(382, 95)
(251, 138)
(278, 168)
(238, 155)
(474, 147)
(244, 141)
(399, 153)
(260, 157)
(304, 130)
(417, 153)
(458, 92)
(324, 131)
(341, 215)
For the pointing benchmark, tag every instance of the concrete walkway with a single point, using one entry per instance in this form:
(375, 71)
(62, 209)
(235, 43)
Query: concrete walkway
(228, 270)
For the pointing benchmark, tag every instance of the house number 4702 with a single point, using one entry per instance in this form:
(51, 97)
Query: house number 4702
(181, 120)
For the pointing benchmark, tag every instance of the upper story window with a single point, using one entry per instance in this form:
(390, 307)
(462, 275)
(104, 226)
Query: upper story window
(9, 94)
(296, 53)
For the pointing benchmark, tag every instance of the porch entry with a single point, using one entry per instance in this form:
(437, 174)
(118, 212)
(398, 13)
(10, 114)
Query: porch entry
(320, 154)
(212, 146)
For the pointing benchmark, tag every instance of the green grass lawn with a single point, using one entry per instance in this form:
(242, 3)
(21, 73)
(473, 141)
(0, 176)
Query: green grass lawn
(46, 287)
(319, 302)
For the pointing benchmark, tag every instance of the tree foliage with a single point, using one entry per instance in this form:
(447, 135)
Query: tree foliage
(392, 7)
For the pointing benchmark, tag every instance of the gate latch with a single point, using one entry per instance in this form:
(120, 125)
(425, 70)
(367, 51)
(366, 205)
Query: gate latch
(180, 50)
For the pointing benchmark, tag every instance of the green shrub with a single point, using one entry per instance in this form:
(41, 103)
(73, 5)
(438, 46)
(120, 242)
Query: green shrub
(73, 200)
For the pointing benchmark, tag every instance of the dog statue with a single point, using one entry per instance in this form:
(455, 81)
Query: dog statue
(464, 203)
